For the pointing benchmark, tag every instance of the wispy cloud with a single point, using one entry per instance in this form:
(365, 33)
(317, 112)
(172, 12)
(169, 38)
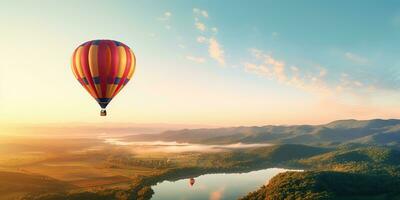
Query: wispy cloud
(200, 12)
(314, 81)
(196, 59)
(268, 66)
(201, 39)
(346, 83)
(204, 13)
(216, 52)
(215, 49)
(260, 70)
(355, 58)
(200, 26)
(165, 17)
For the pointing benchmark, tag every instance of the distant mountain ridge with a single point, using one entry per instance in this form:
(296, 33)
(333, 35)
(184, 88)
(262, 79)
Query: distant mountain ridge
(375, 131)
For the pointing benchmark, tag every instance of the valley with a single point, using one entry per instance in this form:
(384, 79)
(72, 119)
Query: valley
(92, 168)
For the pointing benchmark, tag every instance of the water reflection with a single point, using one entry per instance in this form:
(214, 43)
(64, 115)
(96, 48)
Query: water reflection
(214, 186)
(191, 182)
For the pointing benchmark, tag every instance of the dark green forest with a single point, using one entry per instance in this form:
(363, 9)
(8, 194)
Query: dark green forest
(344, 173)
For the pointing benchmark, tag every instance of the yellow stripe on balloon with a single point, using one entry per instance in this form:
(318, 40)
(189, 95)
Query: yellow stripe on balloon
(78, 62)
(94, 66)
(73, 68)
(110, 89)
(93, 62)
(122, 59)
(133, 65)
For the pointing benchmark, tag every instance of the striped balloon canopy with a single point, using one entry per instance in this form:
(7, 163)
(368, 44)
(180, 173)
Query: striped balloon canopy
(103, 68)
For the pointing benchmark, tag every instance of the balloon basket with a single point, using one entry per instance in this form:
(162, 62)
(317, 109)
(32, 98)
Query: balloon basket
(103, 112)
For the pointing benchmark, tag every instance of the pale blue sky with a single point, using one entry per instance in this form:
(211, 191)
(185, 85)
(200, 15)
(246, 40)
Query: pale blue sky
(207, 62)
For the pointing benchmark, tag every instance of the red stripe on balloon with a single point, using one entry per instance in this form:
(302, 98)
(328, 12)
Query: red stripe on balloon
(114, 62)
(103, 67)
(127, 68)
(85, 66)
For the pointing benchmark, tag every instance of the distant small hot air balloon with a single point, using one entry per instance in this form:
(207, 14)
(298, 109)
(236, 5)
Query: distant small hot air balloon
(103, 68)
(191, 181)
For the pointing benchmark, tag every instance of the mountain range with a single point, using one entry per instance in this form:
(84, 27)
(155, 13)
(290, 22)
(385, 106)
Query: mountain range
(375, 131)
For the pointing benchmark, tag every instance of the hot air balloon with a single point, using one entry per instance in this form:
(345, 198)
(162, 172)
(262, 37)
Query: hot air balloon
(103, 68)
(191, 181)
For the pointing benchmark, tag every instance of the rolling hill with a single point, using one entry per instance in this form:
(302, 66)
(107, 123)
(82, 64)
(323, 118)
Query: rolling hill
(362, 173)
(16, 184)
(376, 132)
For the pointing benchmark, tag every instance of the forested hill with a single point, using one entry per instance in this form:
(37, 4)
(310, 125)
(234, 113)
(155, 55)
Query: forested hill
(367, 173)
(376, 131)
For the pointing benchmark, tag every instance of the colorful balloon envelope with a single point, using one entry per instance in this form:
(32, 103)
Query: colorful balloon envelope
(103, 68)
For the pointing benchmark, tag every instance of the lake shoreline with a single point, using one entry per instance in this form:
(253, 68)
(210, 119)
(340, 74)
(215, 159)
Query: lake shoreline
(193, 172)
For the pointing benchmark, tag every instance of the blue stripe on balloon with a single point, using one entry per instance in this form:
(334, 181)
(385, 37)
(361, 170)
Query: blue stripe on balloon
(126, 81)
(117, 80)
(96, 80)
(103, 102)
(95, 42)
(84, 79)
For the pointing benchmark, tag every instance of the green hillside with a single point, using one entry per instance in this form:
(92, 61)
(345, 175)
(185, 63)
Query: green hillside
(327, 185)
(361, 173)
(371, 155)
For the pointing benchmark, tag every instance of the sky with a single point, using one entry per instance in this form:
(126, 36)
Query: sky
(224, 63)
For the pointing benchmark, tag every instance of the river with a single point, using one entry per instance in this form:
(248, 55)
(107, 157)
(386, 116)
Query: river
(214, 186)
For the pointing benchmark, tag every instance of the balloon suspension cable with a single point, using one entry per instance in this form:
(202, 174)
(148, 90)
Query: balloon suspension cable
(103, 112)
